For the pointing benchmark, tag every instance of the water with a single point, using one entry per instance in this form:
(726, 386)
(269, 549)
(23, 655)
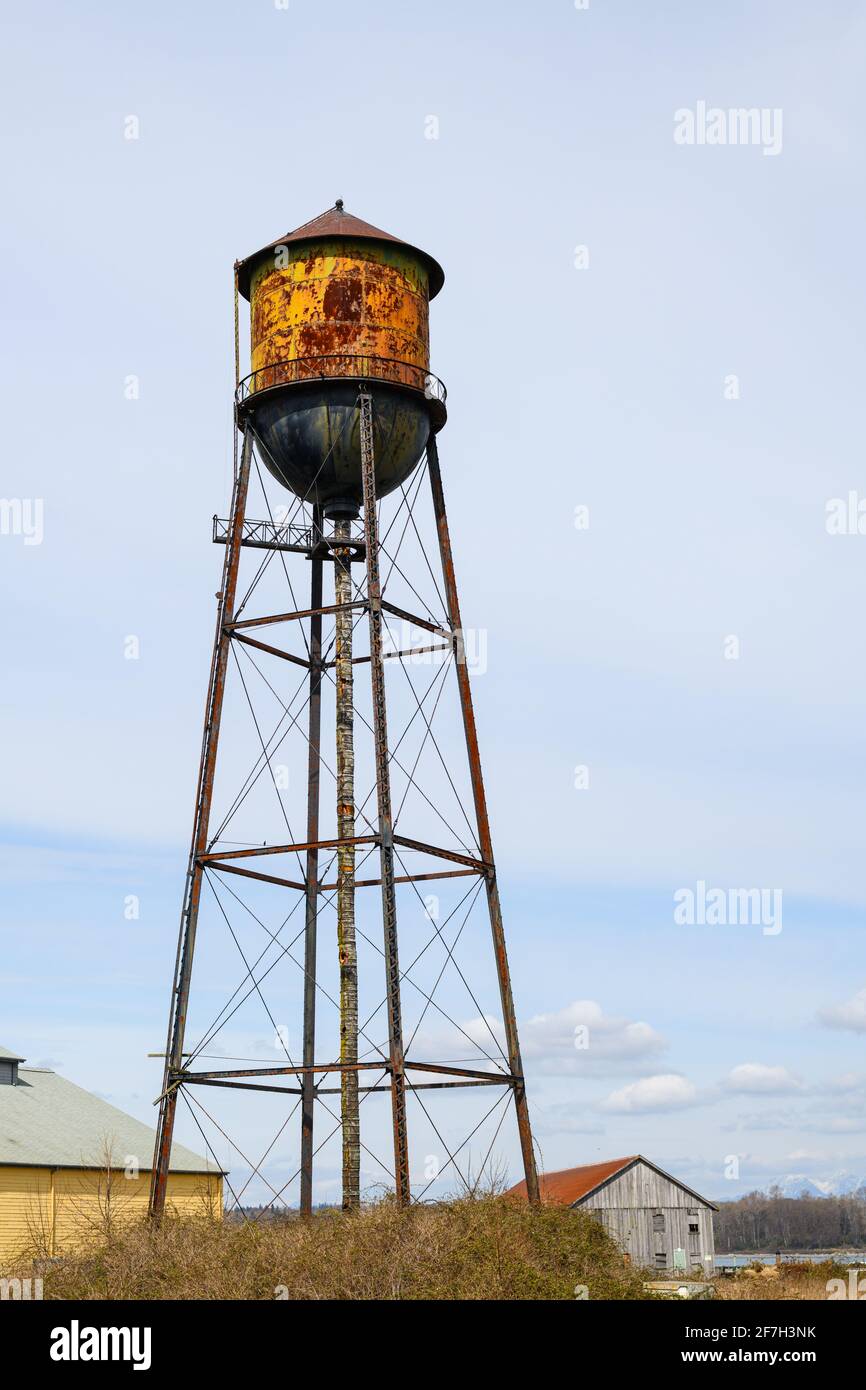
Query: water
(839, 1257)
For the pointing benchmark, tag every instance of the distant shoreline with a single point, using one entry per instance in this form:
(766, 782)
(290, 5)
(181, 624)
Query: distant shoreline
(794, 1251)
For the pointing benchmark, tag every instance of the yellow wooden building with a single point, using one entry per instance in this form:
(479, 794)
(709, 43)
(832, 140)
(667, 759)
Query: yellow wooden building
(71, 1165)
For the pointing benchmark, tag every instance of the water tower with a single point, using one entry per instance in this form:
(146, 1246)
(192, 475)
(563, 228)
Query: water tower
(332, 304)
(341, 408)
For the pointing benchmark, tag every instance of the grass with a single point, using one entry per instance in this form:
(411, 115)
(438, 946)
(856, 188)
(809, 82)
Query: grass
(803, 1280)
(478, 1248)
(475, 1248)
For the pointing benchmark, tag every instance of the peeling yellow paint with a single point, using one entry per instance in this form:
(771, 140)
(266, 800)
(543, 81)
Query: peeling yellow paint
(342, 300)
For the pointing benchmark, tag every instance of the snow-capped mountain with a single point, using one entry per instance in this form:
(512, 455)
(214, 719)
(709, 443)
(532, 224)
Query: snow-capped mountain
(843, 1183)
(840, 1184)
(795, 1184)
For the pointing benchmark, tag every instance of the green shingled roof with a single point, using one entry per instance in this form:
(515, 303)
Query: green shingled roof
(48, 1122)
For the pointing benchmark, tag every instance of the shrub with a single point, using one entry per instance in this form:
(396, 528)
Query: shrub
(474, 1248)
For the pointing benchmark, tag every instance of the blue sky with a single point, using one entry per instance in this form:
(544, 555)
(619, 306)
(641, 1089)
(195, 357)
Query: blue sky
(604, 387)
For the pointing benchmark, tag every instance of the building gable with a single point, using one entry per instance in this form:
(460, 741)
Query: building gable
(642, 1184)
(582, 1186)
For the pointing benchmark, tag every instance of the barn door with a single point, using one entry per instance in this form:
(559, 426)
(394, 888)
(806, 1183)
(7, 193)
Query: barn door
(660, 1240)
(694, 1237)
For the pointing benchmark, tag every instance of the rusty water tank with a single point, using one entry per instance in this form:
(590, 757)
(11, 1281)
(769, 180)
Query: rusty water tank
(335, 303)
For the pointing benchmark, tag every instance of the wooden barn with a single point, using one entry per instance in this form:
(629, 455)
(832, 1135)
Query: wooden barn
(69, 1162)
(659, 1222)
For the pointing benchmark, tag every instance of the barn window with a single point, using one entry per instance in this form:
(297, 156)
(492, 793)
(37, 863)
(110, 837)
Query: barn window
(693, 1226)
(8, 1070)
(661, 1260)
(658, 1221)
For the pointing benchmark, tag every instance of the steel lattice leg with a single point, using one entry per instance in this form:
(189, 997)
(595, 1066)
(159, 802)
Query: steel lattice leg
(204, 796)
(312, 873)
(383, 795)
(484, 838)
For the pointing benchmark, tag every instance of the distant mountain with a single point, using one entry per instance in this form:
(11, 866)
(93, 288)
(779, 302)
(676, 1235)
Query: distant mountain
(795, 1184)
(843, 1183)
(840, 1184)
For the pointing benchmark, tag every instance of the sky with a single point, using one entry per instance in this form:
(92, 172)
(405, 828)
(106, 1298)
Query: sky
(653, 457)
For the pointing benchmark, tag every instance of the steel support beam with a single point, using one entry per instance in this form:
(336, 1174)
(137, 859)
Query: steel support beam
(382, 1064)
(421, 847)
(394, 656)
(195, 870)
(285, 849)
(271, 618)
(400, 878)
(483, 821)
(251, 873)
(275, 651)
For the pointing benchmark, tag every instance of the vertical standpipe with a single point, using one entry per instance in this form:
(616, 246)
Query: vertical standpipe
(383, 803)
(346, 944)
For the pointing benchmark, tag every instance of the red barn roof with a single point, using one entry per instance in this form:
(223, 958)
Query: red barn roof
(571, 1184)
(336, 222)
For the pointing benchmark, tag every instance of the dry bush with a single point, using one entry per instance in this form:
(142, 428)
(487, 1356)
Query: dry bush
(475, 1248)
(802, 1280)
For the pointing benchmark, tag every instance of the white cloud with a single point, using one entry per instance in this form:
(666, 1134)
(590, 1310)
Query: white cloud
(652, 1093)
(850, 1015)
(751, 1078)
(579, 1039)
(581, 1036)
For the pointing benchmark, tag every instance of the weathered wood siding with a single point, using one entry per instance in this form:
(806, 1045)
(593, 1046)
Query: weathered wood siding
(61, 1209)
(650, 1217)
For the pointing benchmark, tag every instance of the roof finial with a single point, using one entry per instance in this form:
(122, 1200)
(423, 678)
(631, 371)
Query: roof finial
(339, 205)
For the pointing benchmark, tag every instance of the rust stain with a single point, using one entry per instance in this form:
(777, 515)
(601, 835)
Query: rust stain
(343, 298)
(350, 302)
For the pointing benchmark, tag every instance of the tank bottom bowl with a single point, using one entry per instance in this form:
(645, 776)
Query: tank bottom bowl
(311, 437)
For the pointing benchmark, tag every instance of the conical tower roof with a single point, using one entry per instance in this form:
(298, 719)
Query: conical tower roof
(336, 222)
